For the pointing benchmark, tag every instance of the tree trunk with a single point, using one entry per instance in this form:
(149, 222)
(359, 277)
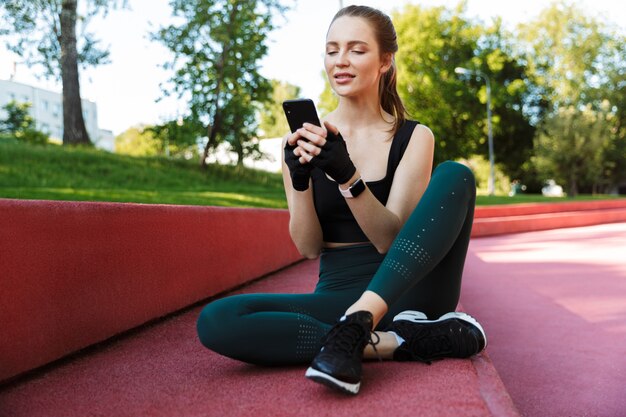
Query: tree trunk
(212, 135)
(74, 131)
(221, 65)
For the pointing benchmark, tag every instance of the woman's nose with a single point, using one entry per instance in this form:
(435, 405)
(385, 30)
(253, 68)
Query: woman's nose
(342, 60)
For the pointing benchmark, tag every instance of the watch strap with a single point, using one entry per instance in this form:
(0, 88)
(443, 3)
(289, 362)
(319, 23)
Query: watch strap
(356, 188)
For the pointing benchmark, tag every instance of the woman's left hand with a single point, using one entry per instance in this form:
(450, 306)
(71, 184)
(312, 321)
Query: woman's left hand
(326, 149)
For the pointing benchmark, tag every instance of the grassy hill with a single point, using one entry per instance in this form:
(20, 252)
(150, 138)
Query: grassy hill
(82, 174)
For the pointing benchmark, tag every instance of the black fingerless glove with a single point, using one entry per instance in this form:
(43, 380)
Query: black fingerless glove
(300, 173)
(334, 159)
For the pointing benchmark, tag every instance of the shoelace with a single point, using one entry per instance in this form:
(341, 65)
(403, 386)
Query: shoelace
(346, 337)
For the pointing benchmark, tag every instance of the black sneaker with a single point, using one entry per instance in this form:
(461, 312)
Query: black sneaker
(453, 335)
(338, 364)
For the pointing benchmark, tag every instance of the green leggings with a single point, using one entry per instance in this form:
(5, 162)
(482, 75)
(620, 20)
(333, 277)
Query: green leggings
(422, 271)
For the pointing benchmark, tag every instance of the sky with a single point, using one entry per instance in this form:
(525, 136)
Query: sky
(127, 90)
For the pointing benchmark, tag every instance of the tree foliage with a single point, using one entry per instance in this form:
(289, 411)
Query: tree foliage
(138, 141)
(17, 118)
(43, 32)
(218, 46)
(179, 137)
(273, 123)
(573, 145)
(433, 42)
(328, 100)
(19, 123)
(579, 67)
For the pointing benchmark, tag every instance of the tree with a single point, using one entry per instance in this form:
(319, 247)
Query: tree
(17, 117)
(45, 34)
(433, 42)
(578, 65)
(273, 123)
(572, 144)
(217, 50)
(178, 137)
(21, 124)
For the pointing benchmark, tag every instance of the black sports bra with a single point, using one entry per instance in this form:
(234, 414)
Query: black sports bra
(338, 223)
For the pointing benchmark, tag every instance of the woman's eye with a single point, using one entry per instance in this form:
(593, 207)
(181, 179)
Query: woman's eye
(331, 52)
(358, 52)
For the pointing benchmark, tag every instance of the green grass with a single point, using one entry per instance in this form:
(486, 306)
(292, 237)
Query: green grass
(83, 174)
(485, 200)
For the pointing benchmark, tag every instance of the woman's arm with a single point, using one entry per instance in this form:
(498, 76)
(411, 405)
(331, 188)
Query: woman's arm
(304, 226)
(382, 223)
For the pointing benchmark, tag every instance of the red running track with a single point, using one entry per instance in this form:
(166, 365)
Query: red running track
(163, 370)
(553, 304)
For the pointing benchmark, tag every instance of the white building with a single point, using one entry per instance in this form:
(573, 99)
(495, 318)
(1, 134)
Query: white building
(47, 110)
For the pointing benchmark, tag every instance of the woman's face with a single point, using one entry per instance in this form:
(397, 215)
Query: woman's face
(352, 60)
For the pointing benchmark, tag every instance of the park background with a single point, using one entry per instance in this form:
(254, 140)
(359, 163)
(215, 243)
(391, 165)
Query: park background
(556, 69)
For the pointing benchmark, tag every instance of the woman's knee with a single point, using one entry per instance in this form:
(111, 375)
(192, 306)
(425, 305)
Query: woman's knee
(455, 171)
(454, 168)
(213, 320)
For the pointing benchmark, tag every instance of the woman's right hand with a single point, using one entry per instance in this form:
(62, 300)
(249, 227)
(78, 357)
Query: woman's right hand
(304, 225)
(299, 169)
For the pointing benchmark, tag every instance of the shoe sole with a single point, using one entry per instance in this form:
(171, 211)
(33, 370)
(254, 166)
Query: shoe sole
(329, 381)
(413, 316)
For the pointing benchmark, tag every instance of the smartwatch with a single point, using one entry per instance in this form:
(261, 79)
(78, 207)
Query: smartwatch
(356, 188)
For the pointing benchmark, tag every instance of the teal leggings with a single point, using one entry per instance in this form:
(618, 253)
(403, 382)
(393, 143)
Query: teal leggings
(422, 271)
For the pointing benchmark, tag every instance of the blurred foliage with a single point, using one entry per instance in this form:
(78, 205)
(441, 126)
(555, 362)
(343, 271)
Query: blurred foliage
(273, 123)
(480, 167)
(137, 141)
(217, 48)
(579, 66)
(328, 100)
(19, 123)
(573, 145)
(433, 42)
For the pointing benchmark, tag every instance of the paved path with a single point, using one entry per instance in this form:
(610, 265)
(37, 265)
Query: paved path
(162, 370)
(553, 304)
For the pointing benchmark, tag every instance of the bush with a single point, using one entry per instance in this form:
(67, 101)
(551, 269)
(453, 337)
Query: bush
(480, 167)
(33, 136)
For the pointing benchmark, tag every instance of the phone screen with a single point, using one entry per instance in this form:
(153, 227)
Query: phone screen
(300, 111)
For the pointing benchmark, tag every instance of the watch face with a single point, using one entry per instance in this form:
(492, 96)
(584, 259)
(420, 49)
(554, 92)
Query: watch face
(357, 188)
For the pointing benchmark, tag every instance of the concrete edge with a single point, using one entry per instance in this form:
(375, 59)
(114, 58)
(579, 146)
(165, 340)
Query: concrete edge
(492, 388)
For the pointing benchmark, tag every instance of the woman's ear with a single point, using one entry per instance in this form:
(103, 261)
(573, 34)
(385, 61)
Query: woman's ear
(386, 62)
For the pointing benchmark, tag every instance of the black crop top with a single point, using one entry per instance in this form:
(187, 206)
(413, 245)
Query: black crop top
(338, 223)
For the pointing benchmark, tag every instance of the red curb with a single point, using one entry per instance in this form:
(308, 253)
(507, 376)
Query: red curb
(74, 274)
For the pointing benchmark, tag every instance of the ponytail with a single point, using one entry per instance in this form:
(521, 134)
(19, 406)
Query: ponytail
(389, 98)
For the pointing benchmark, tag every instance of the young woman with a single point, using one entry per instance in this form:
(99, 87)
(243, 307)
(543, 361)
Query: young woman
(392, 240)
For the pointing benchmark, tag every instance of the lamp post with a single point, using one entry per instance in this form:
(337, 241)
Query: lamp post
(492, 182)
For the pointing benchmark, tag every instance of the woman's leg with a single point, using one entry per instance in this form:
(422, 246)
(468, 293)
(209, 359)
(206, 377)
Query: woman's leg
(436, 234)
(277, 329)
(434, 239)
(269, 329)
